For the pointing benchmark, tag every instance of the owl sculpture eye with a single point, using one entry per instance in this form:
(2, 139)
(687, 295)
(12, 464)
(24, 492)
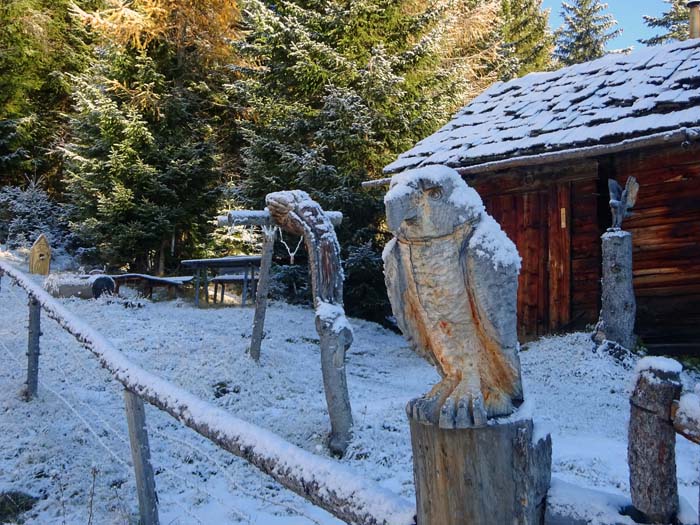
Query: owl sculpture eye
(434, 193)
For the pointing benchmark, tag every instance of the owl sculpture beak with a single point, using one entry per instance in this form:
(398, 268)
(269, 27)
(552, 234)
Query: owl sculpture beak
(399, 211)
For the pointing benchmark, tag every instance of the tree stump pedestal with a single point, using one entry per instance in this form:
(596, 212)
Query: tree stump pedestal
(480, 476)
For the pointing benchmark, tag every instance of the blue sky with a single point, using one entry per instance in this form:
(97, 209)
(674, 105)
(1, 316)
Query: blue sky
(627, 12)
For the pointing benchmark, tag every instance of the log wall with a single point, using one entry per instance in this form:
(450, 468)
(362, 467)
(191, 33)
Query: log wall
(666, 236)
(665, 229)
(552, 216)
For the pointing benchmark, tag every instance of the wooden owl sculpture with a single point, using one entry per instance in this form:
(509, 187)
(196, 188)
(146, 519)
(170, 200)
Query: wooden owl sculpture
(452, 278)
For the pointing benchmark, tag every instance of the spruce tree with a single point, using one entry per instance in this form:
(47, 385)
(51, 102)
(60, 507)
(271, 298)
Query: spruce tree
(675, 22)
(339, 89)
(585, 33)
(526, 35)
(39, 44)
(334, 91)
(145, 162)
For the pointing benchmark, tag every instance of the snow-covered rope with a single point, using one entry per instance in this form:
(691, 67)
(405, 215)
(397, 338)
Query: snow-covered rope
(325, 483)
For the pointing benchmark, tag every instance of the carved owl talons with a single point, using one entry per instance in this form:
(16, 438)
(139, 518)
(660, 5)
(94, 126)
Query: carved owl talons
(450, 404)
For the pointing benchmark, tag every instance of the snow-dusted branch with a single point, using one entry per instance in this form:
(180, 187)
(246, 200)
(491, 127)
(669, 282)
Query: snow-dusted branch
(323, 482)
(262, 218)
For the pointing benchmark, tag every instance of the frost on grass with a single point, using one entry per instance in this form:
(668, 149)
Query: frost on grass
(581, 398)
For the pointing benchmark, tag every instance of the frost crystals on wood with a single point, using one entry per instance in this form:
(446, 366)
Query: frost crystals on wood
(452, 278)
(296, 213)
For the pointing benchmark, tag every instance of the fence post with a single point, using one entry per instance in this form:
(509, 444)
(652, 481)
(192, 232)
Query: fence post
(141, 455)
(33, 348)
(261, 296)
(651, 448)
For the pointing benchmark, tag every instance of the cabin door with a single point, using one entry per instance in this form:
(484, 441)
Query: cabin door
(539, 224)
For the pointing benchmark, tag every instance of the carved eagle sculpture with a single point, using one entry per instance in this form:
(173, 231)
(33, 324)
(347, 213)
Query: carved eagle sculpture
(622, 200)
(452, 278)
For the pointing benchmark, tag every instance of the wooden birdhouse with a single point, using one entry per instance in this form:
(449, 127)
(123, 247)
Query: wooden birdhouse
(40, 256)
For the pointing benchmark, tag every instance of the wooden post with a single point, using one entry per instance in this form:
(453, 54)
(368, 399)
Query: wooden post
(196, 288)
(651, 444)
(296, 213)
(480, 476)
(141, 455)
(33, 348)
(618, 311)
(244, 293)
(261, 296)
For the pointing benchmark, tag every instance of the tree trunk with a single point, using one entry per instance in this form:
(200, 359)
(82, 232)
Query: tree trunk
(295, 212)
(480, 476)
(161, 257)
(619, 307)
(651, 445)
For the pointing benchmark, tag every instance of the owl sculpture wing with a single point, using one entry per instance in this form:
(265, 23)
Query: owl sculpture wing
(402, 304)
(495, 298)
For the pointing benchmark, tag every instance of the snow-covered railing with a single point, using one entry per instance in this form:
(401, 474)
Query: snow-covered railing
(322, 481)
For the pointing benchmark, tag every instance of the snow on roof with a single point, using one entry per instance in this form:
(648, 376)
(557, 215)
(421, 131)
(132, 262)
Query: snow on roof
(616, 97)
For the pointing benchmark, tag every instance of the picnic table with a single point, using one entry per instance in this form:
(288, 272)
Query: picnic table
(228, 269)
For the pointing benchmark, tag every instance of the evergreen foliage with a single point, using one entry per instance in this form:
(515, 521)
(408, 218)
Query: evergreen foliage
(585, 33)
(364, 288)
(526, 36)
(145, 164)
(675, 22)
(336, 92)
(27, 213)
(332, 92)
(142, 168)
(40, 42)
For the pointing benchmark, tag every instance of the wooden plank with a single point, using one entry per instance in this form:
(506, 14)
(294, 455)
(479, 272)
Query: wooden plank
(559, 217)
(34, 333)
(141, 456)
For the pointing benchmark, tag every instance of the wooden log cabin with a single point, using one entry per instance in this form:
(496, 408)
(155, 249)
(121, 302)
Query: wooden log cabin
(540, 150)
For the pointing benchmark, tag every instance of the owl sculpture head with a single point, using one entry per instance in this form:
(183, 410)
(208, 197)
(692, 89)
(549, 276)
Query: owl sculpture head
(437, 196)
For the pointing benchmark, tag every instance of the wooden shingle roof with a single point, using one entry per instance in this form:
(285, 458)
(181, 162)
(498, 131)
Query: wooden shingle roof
(615, 98)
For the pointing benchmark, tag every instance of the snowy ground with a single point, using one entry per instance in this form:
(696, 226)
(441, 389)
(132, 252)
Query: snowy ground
(70, 446)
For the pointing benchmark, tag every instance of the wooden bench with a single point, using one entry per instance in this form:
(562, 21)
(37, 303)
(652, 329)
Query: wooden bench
(235, 275)
(150, 281)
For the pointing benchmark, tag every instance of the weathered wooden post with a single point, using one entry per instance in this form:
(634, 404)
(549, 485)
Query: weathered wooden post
(296, 213)
(40, 256)
(33, 348)
(686, 420)
(651, 444)
(141, 456)
(452, 277)
(262, 291)
(619, 307)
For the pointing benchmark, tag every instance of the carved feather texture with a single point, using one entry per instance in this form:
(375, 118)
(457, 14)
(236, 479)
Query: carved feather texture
(455, 304)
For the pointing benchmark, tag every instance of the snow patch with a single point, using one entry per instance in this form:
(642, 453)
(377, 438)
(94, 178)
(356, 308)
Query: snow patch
(490, 240)
(333, 314)
(662, 364)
